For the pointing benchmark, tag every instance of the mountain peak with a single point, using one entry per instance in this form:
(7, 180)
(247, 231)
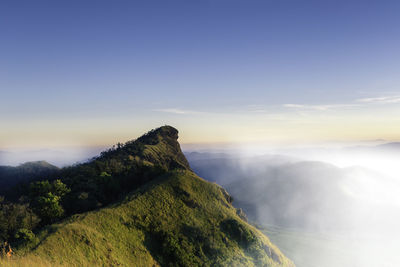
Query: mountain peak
(37, 164)
(166, 131)
(160, 147)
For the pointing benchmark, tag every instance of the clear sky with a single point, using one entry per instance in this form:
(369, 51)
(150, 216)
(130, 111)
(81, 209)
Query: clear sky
(97, 72)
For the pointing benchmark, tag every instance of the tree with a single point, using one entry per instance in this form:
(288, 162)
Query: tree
(13, 217)
(46, 197)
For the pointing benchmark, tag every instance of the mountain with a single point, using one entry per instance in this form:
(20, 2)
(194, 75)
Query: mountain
(121, 169)
(11, 176)
(168, 216)
(389, 147)
(59, 156)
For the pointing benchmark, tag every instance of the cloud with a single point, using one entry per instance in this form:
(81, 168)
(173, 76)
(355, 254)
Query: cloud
(177, 111)
(319, 107)
(361, 102)
(254, 108)
(381, 99)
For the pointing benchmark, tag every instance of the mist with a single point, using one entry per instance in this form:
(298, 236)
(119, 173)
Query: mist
(339, 204)
(60, 156)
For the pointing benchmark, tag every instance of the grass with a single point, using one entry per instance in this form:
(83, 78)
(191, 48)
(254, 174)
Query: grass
(176, 220)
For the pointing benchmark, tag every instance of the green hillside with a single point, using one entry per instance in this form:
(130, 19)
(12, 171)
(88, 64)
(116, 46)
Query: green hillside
(172, 218)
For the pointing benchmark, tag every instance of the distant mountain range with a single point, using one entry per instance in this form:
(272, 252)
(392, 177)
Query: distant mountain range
(390, 146)
(59, 157)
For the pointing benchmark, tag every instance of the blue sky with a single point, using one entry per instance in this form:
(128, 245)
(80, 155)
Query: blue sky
(97, 72)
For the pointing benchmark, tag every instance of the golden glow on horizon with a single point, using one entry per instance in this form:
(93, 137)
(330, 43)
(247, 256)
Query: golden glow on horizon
(206, 129)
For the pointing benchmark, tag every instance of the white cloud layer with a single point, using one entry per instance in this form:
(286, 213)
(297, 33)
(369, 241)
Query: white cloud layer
(319, 107)
(177, 111)
(361, 102)
(381, 99)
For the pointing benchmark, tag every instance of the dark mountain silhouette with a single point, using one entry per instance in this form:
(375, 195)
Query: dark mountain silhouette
(11, 176)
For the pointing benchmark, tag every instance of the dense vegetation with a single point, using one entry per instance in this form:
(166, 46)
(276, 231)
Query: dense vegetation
(163, 214)
(83, 187)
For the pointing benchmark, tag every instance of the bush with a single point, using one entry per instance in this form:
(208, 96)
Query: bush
(25, 239)
(25, 235)
(238, 232)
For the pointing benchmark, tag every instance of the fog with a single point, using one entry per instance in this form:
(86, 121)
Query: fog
(60, 157)
(339, 204)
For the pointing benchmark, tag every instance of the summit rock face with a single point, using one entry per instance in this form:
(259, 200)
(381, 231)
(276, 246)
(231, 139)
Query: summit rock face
(161, 148)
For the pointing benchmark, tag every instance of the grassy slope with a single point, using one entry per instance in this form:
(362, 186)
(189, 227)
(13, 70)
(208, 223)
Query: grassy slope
(178, 218)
